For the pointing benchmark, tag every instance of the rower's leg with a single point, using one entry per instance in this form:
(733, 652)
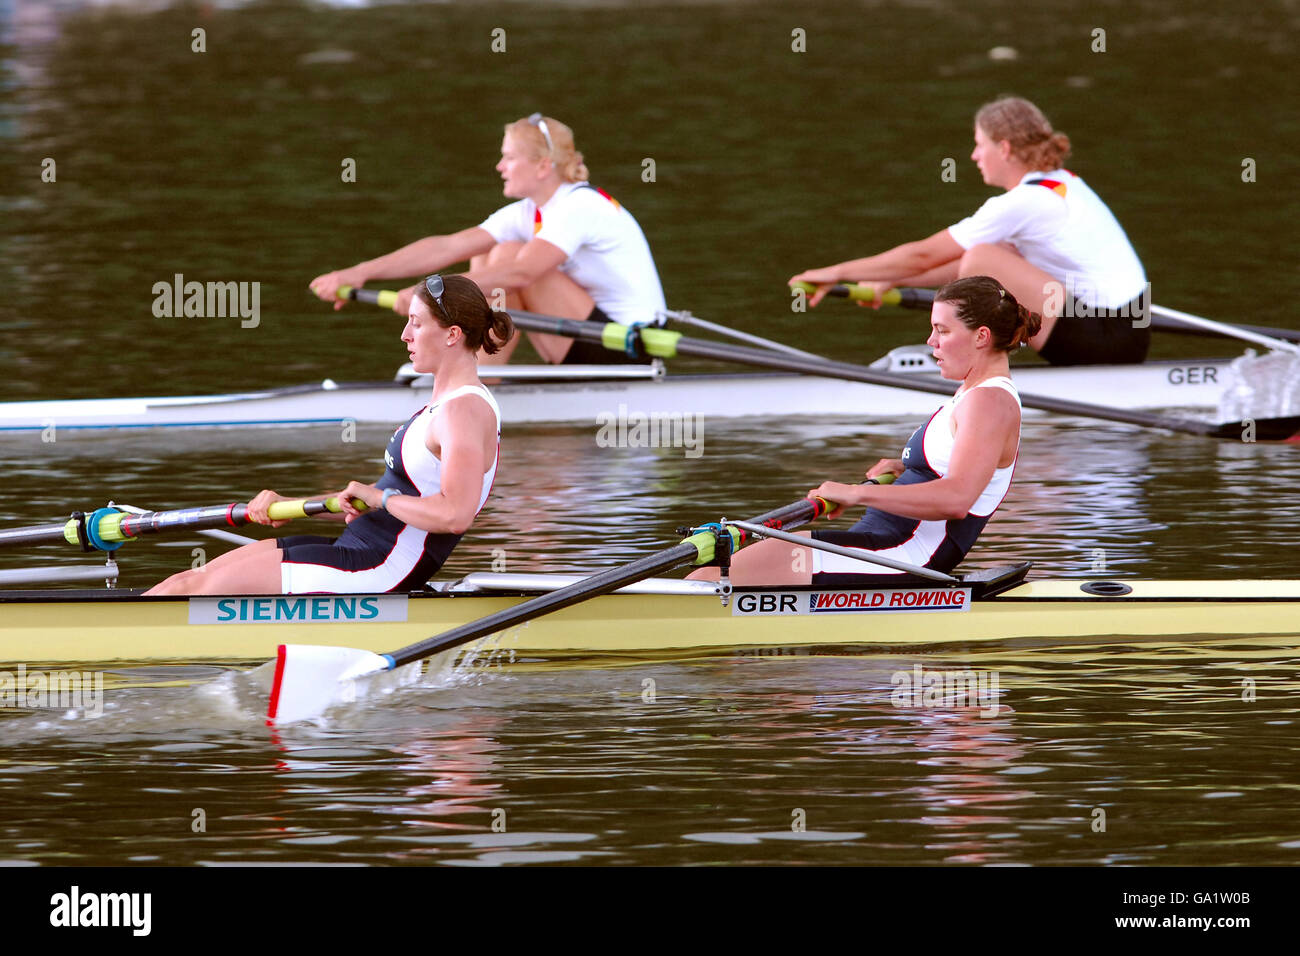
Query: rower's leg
(250, 569)
(556, 294)
(765, 562)
(1033, 288)
(500, 254)
(552, 293)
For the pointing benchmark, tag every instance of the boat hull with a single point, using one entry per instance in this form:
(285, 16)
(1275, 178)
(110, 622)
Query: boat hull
(1191, 385)
(97, 627)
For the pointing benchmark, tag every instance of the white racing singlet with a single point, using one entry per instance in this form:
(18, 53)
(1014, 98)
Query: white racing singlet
(933, 544)
(378, 552)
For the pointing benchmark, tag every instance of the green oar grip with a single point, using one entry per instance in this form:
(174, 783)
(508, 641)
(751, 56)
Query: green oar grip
(383, 298)
(288, 510)
(105, 524)
(308, 507)
(705, 542)
(903, 297)
(857, 293)
(659, 343)
(705, 539)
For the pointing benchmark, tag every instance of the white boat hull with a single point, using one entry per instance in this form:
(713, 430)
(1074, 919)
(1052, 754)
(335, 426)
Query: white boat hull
(1190, 385)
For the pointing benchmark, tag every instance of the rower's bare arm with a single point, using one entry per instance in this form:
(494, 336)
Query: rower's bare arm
(843, 495)
(535, 259)
(933, 278)
(988, 421)
(894, 265)
(466, 431)
(418, 258)
(427, 255)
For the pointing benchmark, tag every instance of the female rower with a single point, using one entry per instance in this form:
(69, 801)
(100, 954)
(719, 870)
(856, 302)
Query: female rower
(565, 248)
(1049, 240)
(440, 469)
(955, 469)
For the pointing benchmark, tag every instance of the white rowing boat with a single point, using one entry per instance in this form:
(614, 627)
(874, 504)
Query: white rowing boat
(546, 394)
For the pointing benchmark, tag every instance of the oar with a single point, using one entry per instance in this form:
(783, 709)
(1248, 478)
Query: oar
(107, 529)
(1162, 319)
(663, 343)
(309, 679)
(1172, 320)
(387, 299)
(384, 298)
(685, 318)
(903, 297)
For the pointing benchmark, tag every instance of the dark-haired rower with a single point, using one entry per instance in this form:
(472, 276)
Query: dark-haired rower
(440, 467)
(955, 469)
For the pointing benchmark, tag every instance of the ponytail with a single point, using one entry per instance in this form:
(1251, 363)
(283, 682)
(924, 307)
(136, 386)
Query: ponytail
(464, 307)
(981, 301)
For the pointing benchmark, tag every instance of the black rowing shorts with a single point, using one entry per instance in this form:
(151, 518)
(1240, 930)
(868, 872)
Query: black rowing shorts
(1087, 336)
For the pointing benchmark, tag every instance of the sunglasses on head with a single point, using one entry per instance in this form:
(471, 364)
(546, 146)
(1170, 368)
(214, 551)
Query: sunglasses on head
(435, 287)
(537, 120)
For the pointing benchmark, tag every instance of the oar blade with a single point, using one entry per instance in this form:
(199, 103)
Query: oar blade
(310, 679)
(1285, 429)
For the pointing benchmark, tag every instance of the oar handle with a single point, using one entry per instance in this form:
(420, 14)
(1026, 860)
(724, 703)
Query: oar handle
(107, 528)
(383, 298)
(114, 527)
(906, 298)
(309, 507)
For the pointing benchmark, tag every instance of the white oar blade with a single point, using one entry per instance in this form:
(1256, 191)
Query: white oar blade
(311, 679)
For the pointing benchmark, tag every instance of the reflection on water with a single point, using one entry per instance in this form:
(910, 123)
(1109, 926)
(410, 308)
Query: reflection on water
(717, 765)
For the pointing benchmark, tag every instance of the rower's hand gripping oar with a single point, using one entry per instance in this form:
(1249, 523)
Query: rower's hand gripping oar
(107, 529)
(385, 299)
(903, 297)
(309, 679)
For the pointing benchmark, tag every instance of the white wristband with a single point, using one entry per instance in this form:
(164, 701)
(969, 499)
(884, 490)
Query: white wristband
(388, 493)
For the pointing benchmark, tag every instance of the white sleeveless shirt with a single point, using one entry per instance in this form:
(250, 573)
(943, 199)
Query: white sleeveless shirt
(422, 467)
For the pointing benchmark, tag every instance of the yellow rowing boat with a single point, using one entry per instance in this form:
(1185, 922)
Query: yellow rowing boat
(655, 618)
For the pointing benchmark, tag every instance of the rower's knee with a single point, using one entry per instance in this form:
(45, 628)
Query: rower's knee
(980, 259)
(503, 253)
(178, 583)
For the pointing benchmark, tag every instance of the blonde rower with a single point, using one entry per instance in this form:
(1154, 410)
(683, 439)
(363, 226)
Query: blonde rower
(1048, 239)
(564, 248)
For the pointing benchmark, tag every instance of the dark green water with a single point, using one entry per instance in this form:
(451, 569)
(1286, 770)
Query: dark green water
(225, 166)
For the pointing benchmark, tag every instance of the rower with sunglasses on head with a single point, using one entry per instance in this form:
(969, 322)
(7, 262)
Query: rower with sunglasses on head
(564, 248)
(440, 467)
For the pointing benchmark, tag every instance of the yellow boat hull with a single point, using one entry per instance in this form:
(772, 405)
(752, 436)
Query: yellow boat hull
(101, 627)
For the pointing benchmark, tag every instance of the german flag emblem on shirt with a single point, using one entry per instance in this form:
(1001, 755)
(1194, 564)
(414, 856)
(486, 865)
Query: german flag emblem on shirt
(537, 213)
